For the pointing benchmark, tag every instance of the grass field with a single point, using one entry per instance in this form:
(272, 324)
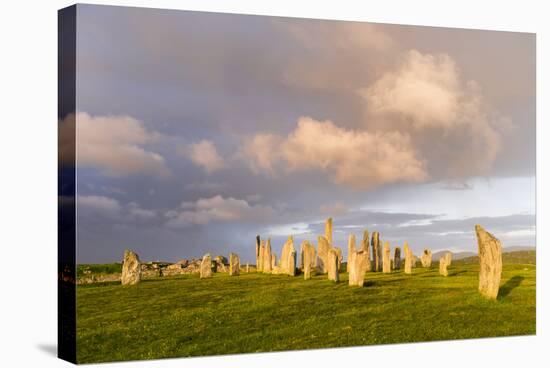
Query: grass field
(186, 316)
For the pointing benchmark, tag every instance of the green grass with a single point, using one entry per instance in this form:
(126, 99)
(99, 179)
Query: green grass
(99, 269)
(186, 316)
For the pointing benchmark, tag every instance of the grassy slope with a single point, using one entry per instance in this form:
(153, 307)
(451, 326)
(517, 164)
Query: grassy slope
(186, 316)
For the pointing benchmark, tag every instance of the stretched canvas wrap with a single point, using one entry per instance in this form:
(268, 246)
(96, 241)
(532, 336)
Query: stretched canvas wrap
(237, 184)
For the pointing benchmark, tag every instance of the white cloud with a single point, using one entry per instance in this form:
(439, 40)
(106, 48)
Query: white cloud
(448, 118)
(112, 209)
(217, 208)
(114, 145)
(205, 155)
(357, 159)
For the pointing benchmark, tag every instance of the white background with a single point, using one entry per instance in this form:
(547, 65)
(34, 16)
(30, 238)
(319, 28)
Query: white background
(28, 167)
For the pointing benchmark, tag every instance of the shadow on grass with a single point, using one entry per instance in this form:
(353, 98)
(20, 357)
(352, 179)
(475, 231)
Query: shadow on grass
(510, 285)
(457, 273)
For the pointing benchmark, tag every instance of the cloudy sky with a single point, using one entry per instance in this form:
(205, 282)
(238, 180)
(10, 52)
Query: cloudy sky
(197, 131)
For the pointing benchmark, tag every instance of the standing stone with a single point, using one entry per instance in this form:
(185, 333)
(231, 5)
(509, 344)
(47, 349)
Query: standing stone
(261, 256)
(426, 258)
(351, 250)
(234, 264)
(322, 253)
(206, 266)
(490, 263)
(332, 268)
(366, 249)
(258, 246)
(308, 252)
(273, 261)
(443, 266)
(328, 230)
(288, 257)
(340, 257)
(449, 258)
(357, 268)
(414, 260)
(131, 268)
(267, 257)
(386, 260)
(247, 267)
(376, 256)
(397, 258)
(408, 258)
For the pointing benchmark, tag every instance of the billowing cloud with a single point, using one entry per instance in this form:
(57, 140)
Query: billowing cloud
(96, 206)
(205, 155)
(115, 145)
(217, 208)
(447, 118)
(357, 159)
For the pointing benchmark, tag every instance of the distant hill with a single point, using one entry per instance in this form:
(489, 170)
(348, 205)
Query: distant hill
(463, 255)
(514, 257)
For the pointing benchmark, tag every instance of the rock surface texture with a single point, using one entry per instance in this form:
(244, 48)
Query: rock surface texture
(386, 258)
(490, 263)
(408, 258)
(426, 258)
(234, 264)
(206, 267)
(397, 258)
(332, 268)
(323, 247)
(131, 270)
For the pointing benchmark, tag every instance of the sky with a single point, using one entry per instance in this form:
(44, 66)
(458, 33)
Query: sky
(197, 131)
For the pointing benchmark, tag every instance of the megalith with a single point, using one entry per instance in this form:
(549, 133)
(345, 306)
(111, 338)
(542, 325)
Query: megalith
(408, 258)
(308, 254)
(443, 266)
(234, 264)
(386, 258)
(365, 247)
(323, 247)
(357, 268)
(490, 263)
(328, 230)
(376, 252)
(288, 257)
(267, 257)
(426, 258)
(351, 250)
(206, 266)
(397, 258)
(258, 254)
(340, 256)
(131, 268)
(332, 266)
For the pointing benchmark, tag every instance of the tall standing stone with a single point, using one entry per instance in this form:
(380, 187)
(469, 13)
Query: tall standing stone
(351, 250)
(261, 256)
(376, 256)
(247, 267)
(323, 247)
(267, 257)
(426, 258)
(131, 268)
(397, 258)
(206, 266)
(273, 261)
(258, 245)
(328, 230)
(332, 268)
(408, 258)
(234, 264)
(308, 252)
(386, 260)
(490, 263)
(443, 266)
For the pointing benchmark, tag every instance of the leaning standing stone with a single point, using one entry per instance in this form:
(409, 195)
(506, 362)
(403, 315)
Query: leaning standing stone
(234, 264)
(333, 265)
(206, 266)
(490, 263)
(386, 260)
(397, 258)
(443, 266)
(131, 269)
(322, 252)
(426, 258)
